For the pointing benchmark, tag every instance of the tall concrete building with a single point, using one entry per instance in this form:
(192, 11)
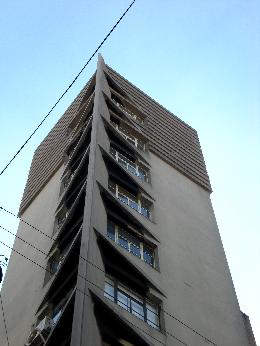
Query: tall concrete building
(130, 252)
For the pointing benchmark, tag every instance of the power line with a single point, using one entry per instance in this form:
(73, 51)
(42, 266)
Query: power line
(97, 267)
(92, 283)
(27, 223)
(2, 307)
(16, 236)
(65, 92)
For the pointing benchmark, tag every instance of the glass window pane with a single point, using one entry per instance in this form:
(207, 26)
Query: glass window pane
(145, 212)
(132, 169)
(152, 315)
(123, 239)
(133, 204)
(54, 266)
(111, 230)
(134, 245)
(122, 162)
(148, 255)
(109, 291)
(56, 316)
(135, 250)
(142, 174)
(137, 309)
(123, 300)
(123, 198)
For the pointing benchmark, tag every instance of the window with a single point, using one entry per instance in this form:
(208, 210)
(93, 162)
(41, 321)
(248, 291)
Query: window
(126, 110)
(54, 266)
(60, 219)
(132, 167)
(128, 136)
(142, 174)
(131, 243)
(152, 315)
(132, 302)
(142, 206)
(56, 315)
(109, 290)
(148, 255)
(55, 263)
(122, 238)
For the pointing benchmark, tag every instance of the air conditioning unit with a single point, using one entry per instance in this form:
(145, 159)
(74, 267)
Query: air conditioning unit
(40, 332)
(44, 324)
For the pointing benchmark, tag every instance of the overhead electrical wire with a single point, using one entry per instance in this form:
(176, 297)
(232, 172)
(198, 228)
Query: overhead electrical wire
(100, 288)
(66, 90)
(93, 265)
(48, 114)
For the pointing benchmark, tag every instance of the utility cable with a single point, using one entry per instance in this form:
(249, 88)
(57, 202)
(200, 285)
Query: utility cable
(65, 92)
(92, 283)
(2, 307)
(27, 223)
(97, 267)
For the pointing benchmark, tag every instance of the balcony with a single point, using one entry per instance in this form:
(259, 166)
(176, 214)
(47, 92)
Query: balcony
(60, 219)
(45, 324)
(130, 137)
(39, 334)
(56, 261)
(75, 136)
(134, 303)
(131, 243)
(127, 111)
(141, 205)
(131, 166)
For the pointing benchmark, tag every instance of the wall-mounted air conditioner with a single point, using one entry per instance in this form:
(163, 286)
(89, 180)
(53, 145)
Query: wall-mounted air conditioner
(40, 332)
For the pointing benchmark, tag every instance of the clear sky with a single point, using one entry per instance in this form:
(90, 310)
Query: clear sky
(200, 59)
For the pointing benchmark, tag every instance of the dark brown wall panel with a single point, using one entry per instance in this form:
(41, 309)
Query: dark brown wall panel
(171, 139)
(48, 156)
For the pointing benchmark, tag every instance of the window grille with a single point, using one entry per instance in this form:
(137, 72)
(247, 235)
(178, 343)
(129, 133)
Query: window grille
(133, 168)
(137, 305)
(129, 137)
(131, 243)
(140, 205)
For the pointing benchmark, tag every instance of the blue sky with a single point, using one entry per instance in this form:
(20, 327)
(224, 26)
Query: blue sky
(200, 59)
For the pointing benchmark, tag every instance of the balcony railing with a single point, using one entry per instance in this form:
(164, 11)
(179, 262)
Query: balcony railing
(131, 243)
(76, 137)
(124, 196)
(43, 328)
(128, 112)
(129, 137)
(67, 181)
(61, 219)
(137, 305)
(133, 168)
(55, 264)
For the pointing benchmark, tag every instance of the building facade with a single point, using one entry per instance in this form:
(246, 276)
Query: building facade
(126, 245)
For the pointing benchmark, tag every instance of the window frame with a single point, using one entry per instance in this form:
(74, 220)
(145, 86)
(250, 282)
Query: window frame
(132, 167)
(137, 142)
(142, 245)
(132, 296)
(131, 200)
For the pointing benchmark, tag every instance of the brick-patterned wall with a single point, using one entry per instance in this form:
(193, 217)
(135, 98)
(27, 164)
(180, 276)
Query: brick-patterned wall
(170, 138)
(48, 156)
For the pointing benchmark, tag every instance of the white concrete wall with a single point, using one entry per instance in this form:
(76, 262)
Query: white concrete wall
(22, 289)
(194, 270)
